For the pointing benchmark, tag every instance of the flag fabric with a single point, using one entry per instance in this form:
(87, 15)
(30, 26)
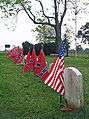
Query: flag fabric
(32, 60)
(28, 58)
(26, 67)
(55, 79)
(8, 55)
(40, 68)
(11, 54)
(15, 55)
(18, 56)
(41, 58)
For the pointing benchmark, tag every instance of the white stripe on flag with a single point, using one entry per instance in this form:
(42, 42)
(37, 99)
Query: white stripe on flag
(51, 72)
(58, 73)
(63, 91)
(58, 82)
(54, 74)
(59, 88)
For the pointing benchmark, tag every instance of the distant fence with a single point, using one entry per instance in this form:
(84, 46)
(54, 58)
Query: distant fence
(79, 53)
(74, 53)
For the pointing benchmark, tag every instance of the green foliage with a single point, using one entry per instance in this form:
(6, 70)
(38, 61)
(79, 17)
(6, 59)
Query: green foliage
(79, 48)
(84, 33)
(45, 34)
(26, 47)
(9, 9)
(40, 20)
(18, 1)
(29, 7)
(48, 31)
(48, 48)
(86, 50)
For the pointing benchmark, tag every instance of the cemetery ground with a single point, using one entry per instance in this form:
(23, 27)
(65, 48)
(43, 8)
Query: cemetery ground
(27, 97)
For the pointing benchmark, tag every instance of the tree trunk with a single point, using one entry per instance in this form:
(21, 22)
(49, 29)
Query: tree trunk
(58, 36)
(67, 52)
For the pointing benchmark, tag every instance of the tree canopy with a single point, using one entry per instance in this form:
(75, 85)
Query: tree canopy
(53, 16)
(50, 16)
(45, 34)
(84, 33)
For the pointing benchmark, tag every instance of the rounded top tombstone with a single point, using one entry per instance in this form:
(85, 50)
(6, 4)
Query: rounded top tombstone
(73, 87)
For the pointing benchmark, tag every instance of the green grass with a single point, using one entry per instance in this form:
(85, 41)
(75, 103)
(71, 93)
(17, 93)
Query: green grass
(27, 97)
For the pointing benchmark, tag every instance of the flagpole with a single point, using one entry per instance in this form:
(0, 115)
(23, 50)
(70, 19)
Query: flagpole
(60, 100)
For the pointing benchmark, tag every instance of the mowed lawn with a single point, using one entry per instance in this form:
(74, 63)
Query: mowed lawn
(27, 97)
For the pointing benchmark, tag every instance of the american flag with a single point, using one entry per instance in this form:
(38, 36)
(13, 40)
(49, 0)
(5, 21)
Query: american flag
(55, 79)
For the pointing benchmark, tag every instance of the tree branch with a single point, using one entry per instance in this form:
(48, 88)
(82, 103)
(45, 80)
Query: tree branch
(2, 7)
(56, 12)
(48, 17)
(65, 8)
(33, 18)
(18, 10)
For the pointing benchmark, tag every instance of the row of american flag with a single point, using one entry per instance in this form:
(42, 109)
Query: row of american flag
(53, 77)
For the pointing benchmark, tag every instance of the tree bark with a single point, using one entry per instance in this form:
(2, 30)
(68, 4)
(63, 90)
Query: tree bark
(58, 36)
(56, 26)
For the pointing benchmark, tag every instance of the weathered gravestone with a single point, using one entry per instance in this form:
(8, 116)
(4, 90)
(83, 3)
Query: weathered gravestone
(73, 87)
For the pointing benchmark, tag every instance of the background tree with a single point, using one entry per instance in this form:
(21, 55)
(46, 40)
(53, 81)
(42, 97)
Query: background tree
(26, 47)
(53, 15)
(45, 34)
(67, 44)
(77, 8)
(67, 35)
(49, 48)
(79, 49)
(55, 20)
(86, 51)
(83, 33)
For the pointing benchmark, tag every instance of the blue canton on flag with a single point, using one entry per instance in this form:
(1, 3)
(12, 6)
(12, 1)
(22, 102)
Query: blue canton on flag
(62, 48)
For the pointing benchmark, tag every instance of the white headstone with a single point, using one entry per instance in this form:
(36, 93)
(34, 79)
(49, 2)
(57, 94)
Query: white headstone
(73, 87)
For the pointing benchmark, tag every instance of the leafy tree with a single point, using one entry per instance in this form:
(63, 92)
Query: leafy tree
(55, 21)
(45, 34)
(84, 33)
(38, 48)
(67, 36)
(53, 18)
(77, 7)
(49, 48)
(67, 44)
(79, 48)
(86, 50)
(26, 47)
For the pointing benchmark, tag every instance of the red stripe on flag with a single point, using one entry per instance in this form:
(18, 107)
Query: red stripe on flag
(57, 72)
(55, 78)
